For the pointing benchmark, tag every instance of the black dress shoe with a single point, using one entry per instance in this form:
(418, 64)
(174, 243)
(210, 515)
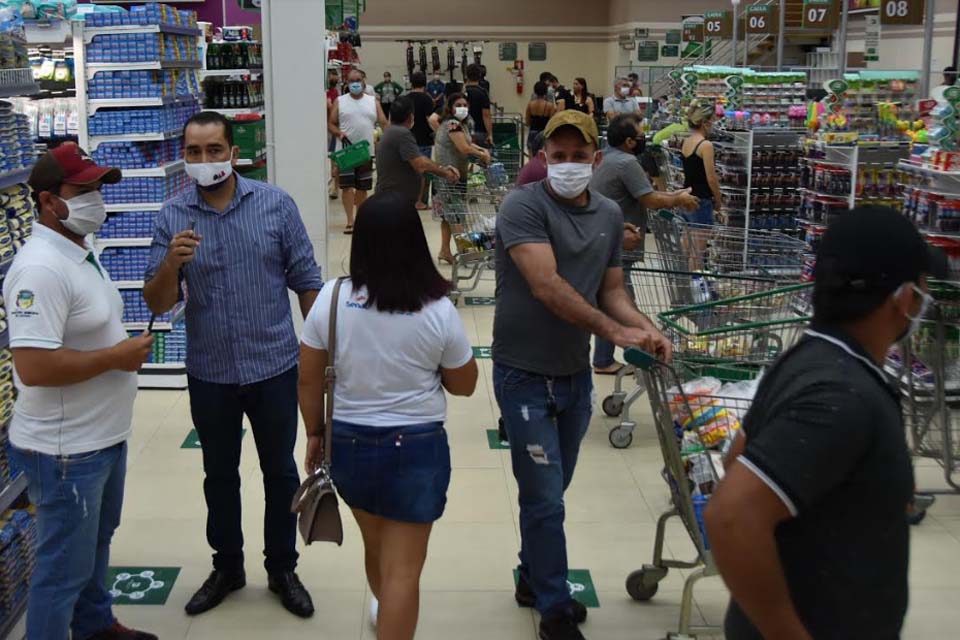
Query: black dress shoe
(214, 590)
(120, 632)
(525, 597)
(292, 593)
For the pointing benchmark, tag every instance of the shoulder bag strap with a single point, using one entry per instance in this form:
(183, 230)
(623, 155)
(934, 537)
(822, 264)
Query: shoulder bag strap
(331, 373)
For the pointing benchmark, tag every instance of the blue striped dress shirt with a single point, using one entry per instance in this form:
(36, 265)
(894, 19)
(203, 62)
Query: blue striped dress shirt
(239, 324)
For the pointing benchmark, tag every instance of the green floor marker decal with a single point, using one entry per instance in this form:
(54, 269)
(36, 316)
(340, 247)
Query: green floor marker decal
(141, 585)
(192, 440)
(483, 353)
(479, 301)
(493, 440)
(581, 587)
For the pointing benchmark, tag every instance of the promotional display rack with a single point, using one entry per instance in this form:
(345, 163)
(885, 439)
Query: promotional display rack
(137, 84)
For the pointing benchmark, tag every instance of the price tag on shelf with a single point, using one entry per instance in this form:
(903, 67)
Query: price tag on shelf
(718, 24)
(762, 19)
(901, 12)
(818, 14)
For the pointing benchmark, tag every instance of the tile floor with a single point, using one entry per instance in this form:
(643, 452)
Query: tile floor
(467, 586)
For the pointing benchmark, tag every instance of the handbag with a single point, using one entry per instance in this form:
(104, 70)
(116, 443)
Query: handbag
(316, 499)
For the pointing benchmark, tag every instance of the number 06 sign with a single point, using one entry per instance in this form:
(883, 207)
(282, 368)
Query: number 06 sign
(762, 18)
(901, 11)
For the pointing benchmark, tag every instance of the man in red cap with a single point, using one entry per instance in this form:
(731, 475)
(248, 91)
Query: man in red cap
(75, 371)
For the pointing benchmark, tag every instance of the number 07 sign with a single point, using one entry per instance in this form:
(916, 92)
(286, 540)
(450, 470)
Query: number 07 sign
(818, 14)
(901, 11)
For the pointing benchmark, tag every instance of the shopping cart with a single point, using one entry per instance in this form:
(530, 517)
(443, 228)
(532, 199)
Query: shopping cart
(730, 250)
(927, 368)
(745, 322)
(692, 446)
(656, 289)
(470, 208)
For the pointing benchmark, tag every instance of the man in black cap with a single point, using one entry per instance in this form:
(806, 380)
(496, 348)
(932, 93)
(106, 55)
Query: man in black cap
(808, 528)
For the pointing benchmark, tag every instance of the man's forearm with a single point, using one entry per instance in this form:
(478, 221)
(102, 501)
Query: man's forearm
(307, 298)
(747, 557)
(488, 122)
(162, 291)
(60, 367)
(618, 305)
(564, 301)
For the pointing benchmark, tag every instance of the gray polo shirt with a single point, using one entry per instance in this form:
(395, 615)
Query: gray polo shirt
(621, 105)
(621, 178)
(396, 150)
(586, 242)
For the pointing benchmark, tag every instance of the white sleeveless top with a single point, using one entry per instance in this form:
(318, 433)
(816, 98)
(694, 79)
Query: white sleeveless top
(358, 118)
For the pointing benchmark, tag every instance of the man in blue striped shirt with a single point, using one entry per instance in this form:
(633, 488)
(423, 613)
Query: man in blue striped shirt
(237, 246)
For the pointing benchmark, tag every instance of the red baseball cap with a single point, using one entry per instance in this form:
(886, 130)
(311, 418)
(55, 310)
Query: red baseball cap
(69, 164)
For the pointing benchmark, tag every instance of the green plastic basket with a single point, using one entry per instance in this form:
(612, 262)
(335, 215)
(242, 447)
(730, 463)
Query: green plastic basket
(352, 156)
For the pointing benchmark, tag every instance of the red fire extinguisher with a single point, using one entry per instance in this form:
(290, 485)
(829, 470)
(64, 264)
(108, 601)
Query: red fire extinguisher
(518, 71)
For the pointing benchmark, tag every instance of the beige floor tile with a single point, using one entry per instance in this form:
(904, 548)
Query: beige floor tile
(471, 557)
(933, 613)
(478, 495)
(620, 618)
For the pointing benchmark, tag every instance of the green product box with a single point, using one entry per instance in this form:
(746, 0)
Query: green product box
(251, 137)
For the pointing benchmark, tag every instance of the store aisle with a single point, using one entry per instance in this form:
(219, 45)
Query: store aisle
(467, 586)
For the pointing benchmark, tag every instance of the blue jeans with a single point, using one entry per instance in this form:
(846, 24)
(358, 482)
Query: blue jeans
(603, 349)
(78, 500)
(546, 419)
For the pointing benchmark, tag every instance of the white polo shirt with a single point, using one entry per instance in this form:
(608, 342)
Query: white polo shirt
(55, 297)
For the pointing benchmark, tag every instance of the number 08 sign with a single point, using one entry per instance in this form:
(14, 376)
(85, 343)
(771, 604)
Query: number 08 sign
(901, 11)
(762, 18)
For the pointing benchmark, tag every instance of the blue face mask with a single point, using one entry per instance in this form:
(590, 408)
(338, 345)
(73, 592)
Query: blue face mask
(356, 87)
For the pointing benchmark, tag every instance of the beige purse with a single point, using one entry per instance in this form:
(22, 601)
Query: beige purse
(316, 499)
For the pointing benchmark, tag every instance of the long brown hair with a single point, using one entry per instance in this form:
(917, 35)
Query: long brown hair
(583, 83)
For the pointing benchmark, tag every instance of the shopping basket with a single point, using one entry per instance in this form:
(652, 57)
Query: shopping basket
(693, 429)
(927, 368)
(352, 156)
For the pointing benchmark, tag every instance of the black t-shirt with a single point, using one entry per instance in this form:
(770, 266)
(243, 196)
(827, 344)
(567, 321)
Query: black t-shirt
(422, 108)
(825, 433)
(567, 96)
(479, 100)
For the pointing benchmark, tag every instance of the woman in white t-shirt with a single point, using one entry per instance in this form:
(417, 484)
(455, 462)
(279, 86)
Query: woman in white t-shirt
(400, 343)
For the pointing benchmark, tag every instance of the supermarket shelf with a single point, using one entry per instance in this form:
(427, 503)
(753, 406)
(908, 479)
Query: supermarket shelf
(153, 65)
(17, 612)
(90, 33)
(10, 494)
(156, 380)
(142, 326)
(229, 113)
(128, 284)
(103, 243)
(155, 172)
(103, 103)
(224, 73)
(96, 141)
(134, 206)
(823, 194)
(16, 176)
(246, 162)
(47, 31)
(20, 90)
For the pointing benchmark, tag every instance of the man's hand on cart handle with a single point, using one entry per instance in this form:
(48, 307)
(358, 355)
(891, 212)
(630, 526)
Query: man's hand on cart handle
(452, 174)
(651, 341)
(632, 238)
(686, 199)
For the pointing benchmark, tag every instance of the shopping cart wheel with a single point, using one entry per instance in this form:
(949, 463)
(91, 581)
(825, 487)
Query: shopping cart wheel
(642, 586)
(612, 406)
(620, 437)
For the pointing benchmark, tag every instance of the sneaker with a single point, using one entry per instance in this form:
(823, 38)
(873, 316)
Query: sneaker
(560, 628)
(374, 610)
(525, 597)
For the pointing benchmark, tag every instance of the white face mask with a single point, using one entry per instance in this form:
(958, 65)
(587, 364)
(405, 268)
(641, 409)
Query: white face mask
(624, 91)
(569, 179)
(356, 88)
(461, 113)
(208, 174)
(87, 213)
(916, 321)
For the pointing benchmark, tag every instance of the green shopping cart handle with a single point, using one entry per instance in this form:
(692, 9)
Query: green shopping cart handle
(639, 358)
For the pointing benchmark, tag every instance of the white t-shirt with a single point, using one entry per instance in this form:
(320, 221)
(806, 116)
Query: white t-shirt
(56, 298)
(388, 364)
(358, 117)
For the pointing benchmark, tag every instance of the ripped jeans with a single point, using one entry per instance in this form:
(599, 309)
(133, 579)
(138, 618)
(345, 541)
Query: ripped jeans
(546, 419)
(78, 500)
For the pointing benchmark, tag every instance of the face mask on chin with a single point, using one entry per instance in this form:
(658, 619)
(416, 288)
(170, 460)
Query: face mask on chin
(569, 179)
(209, 176)
(86, 213)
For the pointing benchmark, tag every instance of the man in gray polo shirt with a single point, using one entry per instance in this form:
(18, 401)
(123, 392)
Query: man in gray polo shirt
(621, 178)
(559, 279)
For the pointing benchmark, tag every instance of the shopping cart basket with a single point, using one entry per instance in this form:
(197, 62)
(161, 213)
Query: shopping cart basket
(927, 367)
(658, 290)
(730, 249)
(694, 428)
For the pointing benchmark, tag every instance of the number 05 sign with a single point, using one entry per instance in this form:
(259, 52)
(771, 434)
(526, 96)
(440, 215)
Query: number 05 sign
(901, 11)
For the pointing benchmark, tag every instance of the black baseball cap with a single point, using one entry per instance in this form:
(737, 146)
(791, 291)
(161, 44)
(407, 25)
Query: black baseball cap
(875, 250)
